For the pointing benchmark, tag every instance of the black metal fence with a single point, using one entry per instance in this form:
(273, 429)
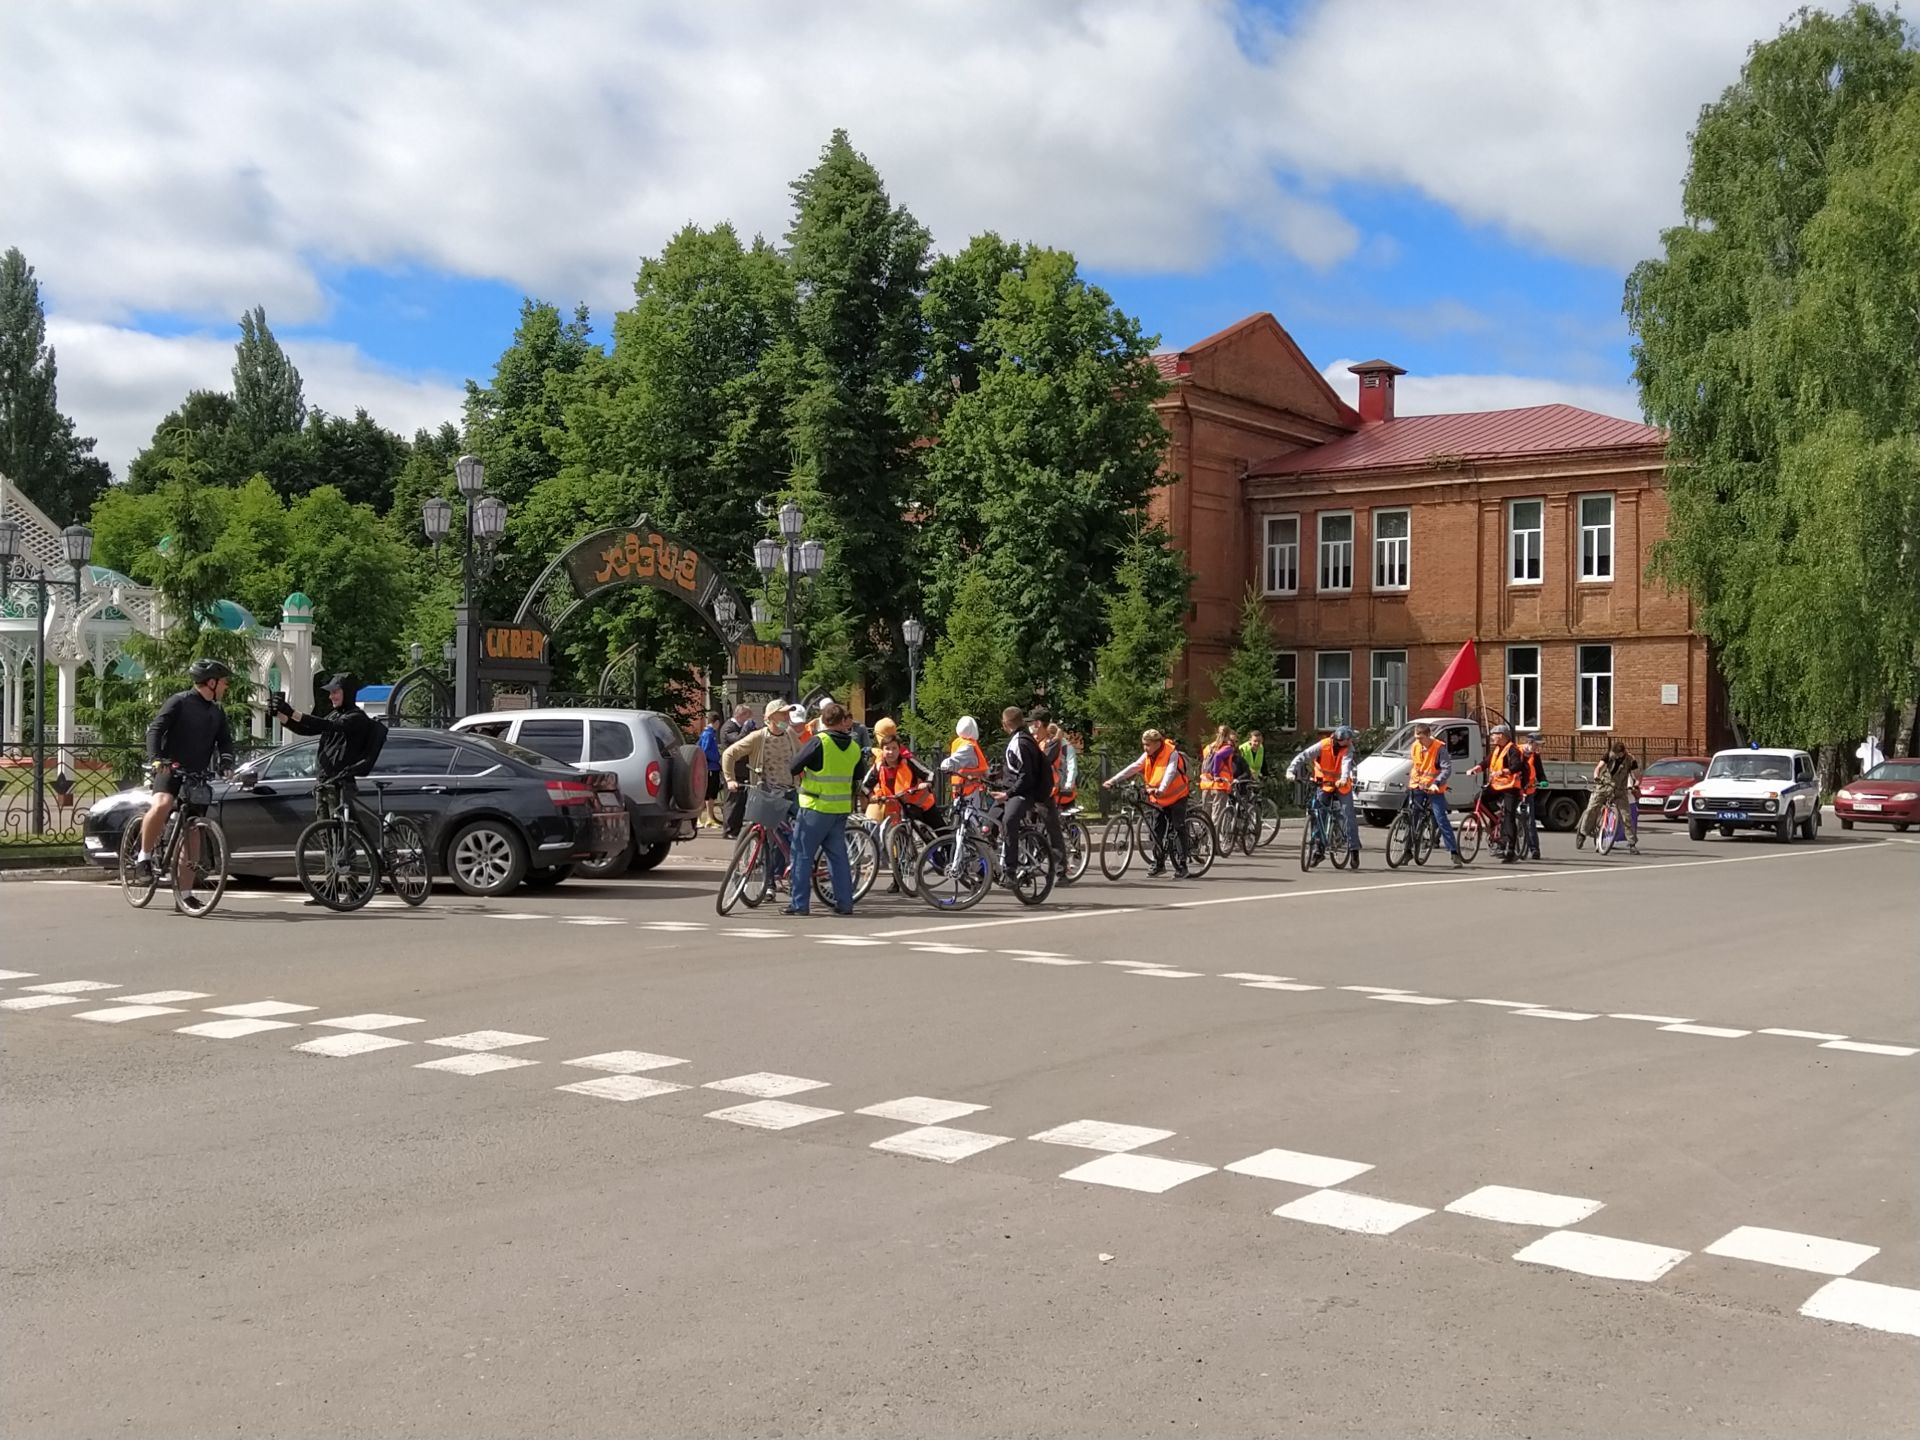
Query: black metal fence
(70, 780)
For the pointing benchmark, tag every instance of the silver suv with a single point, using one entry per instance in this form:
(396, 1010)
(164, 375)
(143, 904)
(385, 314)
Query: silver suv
(662, 778)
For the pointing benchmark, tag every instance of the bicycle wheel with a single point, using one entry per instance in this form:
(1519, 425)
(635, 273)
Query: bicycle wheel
(137, 888)
(955, 871)
(1034, 869)
(1309, 842)
(902, 856)
(1203, 846)
(335, 865)
(746, 874)
(1116, 846)
(863, 867)
(1267, 810)
(1079, 849)
(200, 867)
(1609, 835)
(1426, 835)
(1246, 829)
(408, 866)
(1470, 838)
(1400, 840)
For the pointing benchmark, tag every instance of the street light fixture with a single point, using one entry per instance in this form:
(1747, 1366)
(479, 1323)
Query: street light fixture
(725, 611)
(797, 557)
(76, 543)
(486, 523)
(915, 634)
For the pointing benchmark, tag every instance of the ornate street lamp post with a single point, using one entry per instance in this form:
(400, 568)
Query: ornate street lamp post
(915, 634)
(479, 541)
(797, 557)
(77, 542)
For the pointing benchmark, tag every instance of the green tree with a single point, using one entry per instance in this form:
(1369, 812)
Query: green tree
(201, 428)
(859, 263)
(40, 452)
(1775, 342)
(512, 423)
(1247, 694)
(357, 576)
(267, 396)
(973, 669)
(1046, 451)
(359, 457)
(1132, 689)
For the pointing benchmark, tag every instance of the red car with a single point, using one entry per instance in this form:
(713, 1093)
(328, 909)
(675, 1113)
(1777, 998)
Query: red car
(1665, 778)
(1888, 794)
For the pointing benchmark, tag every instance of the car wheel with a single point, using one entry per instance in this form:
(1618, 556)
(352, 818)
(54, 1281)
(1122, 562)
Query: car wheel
(486, 858)
(605, 867)
(1899, 827)
(1848, 825)
(650, 858)
(1562, 813)
(1810, 827)
(1783, 829)
(1379, 819)
(1726, 832)
(1696, 829)
(547, 876)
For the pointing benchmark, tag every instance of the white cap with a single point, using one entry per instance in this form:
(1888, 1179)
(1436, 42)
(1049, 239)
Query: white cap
(797, 714)
(967, 728)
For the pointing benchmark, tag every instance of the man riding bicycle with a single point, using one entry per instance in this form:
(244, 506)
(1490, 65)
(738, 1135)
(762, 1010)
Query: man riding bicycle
(188, 736)
(1330, 762)
(350, 742)
(1431, 768)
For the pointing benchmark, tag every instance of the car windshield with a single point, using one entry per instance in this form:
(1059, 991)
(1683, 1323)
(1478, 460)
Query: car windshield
(1400, 744)
(1751, 767)
(1905, 771)
(512, 751)
(1684, 769)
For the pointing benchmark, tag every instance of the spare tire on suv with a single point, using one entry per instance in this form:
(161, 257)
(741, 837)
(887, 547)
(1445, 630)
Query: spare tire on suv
(688, 784)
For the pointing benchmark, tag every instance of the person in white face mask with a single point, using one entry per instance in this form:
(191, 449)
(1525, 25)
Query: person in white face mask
(769, 752)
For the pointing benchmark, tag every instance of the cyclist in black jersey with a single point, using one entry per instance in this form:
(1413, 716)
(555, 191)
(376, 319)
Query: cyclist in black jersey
(189, 735)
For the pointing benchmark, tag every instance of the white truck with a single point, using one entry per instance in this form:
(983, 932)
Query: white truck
(1380, 780)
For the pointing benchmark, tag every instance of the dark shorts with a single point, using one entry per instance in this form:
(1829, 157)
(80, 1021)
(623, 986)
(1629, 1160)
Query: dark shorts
(715, 783)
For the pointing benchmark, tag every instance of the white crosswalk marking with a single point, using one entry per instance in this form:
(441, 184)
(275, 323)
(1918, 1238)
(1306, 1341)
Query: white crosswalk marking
(474, 1064)
(766, 1084)
(353, 1043)
(1601, 1256)
(937, 1142)
(1150, 1173)
(1343, 1211)
(772, 1114)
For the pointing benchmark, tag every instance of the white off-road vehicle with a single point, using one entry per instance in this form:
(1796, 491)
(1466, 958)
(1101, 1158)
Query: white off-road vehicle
(1756, 789)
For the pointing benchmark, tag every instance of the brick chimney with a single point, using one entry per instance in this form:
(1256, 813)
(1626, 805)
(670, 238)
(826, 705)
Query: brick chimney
(1376, 389)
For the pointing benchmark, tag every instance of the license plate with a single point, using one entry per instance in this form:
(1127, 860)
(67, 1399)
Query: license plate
(1733, 814)
(1866, 804)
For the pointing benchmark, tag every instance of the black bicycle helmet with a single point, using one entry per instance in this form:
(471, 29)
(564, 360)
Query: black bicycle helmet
(205, 672)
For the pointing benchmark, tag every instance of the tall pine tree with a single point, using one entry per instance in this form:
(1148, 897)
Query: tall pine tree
(39, 451)
(267, 397)
(859, 262)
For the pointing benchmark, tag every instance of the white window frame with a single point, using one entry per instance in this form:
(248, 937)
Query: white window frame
(1535, 547)
(1590, 573)
(1323, 547)
(1587, 694)
(1379, 703)
(1289, 683)
(1269, 548)
(1326, 715)
(1523, 707)
(1390, 548)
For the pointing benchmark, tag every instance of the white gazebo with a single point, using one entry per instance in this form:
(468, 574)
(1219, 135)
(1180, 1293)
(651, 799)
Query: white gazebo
(92, 634)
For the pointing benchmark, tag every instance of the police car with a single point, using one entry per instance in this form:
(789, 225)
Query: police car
(1756, 789)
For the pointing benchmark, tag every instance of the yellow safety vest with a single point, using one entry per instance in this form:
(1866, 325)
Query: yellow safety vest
(829, 789)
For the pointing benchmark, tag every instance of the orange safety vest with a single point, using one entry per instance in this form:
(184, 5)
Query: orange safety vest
(1326, 767)
(1155, 770)
(1426, 766)
(969, 779)
(897, 784)
(1530, 775)
(1060, 797)
(1208, 780)
(1498, 776)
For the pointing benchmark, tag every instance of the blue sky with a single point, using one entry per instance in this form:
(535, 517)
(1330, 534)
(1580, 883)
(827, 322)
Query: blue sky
(1457, 188)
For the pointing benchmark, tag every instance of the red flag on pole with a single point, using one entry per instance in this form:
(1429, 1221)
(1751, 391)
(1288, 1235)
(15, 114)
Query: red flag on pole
(1462, 671)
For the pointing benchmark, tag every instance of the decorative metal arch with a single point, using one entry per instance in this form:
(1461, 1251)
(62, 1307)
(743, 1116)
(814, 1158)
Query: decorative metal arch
(421, 697)
(634, 555)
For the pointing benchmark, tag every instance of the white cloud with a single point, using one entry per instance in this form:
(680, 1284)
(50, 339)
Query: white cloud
(1448, 394)
(118, 382)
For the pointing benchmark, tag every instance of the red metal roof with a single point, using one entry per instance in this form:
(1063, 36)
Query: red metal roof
(1168, 363)
(1476, 435)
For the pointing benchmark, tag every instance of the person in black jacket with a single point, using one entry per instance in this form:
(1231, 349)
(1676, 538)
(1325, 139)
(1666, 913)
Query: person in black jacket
(1029, 782)
(349, 744)
(189, 735)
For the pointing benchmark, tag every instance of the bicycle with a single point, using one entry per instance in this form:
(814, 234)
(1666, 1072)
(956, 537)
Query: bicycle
(763, 857)
(1482, 822)
(192, 853)
(340, 868)
(1414, 832)
(1319, 836)
(1241, 823)
(1079, 842)
(1130, 829)
(959, 865)
(900, 839)
(1613, 826)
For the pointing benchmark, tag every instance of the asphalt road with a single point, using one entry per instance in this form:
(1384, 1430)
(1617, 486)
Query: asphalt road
(1697, 1066)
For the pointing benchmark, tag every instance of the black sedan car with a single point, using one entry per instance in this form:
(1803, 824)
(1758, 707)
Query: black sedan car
(495, 815)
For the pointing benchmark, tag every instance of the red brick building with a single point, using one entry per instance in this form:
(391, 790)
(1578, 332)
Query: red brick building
(1383, 543)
